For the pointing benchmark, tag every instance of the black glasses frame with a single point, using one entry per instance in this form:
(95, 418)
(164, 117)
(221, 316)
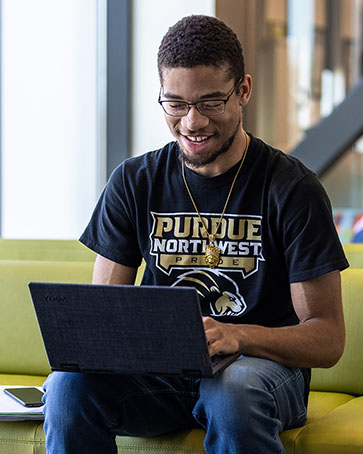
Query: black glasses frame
(198, 103)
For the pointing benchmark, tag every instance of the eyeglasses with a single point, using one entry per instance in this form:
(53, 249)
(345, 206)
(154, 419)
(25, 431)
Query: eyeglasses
(208, 107)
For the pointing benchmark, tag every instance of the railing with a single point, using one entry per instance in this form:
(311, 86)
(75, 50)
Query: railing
(324, 144)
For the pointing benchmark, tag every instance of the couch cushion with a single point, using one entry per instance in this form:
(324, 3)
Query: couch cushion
(320, 405)
(185, 441)
(339, 432)
(354, 254)
(21, 345)
(22, 380)
(49, 250)
(21, 437)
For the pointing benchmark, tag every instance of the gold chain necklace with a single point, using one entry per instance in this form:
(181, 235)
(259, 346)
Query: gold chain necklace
(212, 253)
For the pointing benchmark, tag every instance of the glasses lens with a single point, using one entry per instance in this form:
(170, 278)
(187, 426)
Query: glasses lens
(211, 107)
(177, 109)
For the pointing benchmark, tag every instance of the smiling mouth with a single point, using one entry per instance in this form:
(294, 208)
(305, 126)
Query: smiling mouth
(197, 139)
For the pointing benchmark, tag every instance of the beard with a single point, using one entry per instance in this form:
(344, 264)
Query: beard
(200, 161)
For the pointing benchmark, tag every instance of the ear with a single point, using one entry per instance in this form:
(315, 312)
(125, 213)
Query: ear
(245, 90)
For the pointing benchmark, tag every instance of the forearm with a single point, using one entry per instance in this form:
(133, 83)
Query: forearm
(310, 344)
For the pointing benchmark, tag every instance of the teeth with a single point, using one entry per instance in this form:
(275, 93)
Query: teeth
(197, 139)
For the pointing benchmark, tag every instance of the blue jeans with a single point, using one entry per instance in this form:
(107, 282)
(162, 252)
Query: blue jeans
(243, 410)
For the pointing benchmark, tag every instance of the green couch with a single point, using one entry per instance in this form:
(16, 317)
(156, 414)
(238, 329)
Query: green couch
(335, 413)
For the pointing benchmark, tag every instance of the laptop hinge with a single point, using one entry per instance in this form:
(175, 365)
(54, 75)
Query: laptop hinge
(69, 367)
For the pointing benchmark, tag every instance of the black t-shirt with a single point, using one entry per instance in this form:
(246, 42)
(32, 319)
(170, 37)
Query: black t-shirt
(277, 229)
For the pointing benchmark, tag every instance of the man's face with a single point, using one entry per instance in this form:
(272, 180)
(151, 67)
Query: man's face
(204, 139)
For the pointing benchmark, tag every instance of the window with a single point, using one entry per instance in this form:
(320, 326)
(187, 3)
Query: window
(51, 147)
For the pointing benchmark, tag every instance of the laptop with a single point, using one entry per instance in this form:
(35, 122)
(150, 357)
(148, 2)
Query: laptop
(116, 329)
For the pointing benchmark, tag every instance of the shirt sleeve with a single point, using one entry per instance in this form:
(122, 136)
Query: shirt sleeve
(112, 231)
(311, 242)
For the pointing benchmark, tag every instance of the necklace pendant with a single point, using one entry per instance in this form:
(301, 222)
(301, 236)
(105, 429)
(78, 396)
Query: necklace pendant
(212, 255)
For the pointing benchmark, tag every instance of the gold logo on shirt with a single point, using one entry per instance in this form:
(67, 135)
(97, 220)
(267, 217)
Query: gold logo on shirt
(179, 241)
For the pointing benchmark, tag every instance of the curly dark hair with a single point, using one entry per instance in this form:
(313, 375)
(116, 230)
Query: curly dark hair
(201, 40)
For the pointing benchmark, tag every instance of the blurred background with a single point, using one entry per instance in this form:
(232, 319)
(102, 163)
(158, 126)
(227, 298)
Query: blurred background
(79, 89)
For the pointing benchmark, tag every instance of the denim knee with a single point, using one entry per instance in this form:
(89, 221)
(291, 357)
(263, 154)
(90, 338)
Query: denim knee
(245, 408)
(252, 383)
(235, 394)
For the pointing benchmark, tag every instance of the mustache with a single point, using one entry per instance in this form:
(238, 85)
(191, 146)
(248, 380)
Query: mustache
(200, 132)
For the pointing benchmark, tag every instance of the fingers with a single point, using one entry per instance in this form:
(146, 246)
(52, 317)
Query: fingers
(220, 337)
(215, 335)
(212, 349)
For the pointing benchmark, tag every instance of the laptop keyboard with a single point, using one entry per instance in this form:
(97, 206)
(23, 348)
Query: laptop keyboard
(216, 359)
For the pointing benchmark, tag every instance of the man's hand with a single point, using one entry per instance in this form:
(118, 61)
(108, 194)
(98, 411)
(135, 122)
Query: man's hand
(221, 337)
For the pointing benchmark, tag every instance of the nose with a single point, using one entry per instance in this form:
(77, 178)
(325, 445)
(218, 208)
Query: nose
(194, 120)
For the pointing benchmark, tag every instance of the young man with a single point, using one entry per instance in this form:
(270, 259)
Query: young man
(250, 228)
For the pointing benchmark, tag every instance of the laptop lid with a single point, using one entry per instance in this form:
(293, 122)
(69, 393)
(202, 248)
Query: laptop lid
(123, 329)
